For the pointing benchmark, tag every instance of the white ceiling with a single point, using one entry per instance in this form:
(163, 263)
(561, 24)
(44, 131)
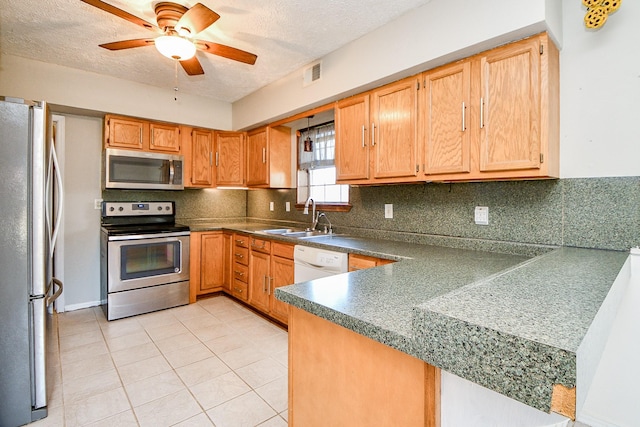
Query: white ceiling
(285, 34)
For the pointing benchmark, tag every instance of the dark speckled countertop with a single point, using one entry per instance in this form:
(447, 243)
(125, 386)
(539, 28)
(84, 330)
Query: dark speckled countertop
(508, 322)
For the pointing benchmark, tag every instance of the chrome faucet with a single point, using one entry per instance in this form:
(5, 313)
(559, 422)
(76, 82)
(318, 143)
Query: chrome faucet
(314, 216)
(326, 230)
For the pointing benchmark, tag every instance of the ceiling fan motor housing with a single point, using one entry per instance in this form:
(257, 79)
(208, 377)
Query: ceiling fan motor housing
(168, 14)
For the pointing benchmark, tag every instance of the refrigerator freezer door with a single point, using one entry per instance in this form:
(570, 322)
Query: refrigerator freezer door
(38, 328)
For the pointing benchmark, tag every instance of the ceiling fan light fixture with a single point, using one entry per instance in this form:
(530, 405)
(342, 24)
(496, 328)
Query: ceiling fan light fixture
(175, 47)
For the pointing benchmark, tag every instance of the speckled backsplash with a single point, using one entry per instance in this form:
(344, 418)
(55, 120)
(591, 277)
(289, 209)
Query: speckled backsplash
(190, 204)
(601, 213)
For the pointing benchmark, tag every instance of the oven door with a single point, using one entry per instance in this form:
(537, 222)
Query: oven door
(141, 261)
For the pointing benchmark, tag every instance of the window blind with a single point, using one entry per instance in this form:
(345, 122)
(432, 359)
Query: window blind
(322, 152)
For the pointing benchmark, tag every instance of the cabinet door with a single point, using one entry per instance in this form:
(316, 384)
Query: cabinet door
(281, 275)
(257, 158)
(227, 261)
(230, 158)
(125, 133)
(352, 138)
(212, 262)
(394, 130)
(510, 107)
(202, 174)
(259, 273)
(445, 119)
(164, 137)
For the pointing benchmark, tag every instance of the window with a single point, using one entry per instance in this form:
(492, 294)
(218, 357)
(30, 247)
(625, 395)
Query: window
(316, 166)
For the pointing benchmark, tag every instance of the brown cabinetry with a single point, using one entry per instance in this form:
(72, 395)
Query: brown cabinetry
(210, 254)
(230, 158)
(240, 267)
(362, 262)
(260, 274)
(494, 115)
(137, 134)
(281, 275)
(377, 135)
(197, 144)
(269, 158)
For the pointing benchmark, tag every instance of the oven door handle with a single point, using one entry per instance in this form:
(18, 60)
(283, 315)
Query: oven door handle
(148, 236)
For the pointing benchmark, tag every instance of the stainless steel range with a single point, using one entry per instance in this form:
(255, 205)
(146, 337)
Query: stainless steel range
(144, 258)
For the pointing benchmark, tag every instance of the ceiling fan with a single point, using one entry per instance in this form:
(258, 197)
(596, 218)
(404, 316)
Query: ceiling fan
(177, 25)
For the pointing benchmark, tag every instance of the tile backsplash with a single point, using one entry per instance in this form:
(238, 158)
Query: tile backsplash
(601, 213)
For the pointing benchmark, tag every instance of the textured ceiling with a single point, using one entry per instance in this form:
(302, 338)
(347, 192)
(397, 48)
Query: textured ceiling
(285, 34)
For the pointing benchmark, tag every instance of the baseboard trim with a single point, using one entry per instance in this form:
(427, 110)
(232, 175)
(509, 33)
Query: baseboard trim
(73, 307)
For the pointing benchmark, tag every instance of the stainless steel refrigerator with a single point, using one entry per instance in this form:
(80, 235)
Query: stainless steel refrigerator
(30, 189)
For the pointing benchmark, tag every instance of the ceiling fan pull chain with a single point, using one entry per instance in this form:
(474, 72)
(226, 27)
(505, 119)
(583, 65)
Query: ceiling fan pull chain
(175, 87)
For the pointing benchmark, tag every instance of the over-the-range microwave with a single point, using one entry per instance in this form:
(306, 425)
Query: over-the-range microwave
(128, 169)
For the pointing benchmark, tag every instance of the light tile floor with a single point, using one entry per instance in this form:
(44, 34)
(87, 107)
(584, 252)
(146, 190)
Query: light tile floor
(213, 363)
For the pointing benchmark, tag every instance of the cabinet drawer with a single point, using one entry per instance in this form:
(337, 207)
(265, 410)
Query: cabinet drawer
(260, 245)
(241, 255)
(239, 290)
(282, 250)
(240, 272)
(361, 262)
(241, 241)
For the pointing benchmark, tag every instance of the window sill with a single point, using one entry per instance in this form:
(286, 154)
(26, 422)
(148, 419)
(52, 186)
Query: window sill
(328, 207)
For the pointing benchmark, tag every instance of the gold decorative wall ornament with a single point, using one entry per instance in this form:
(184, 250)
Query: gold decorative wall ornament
(598, 11)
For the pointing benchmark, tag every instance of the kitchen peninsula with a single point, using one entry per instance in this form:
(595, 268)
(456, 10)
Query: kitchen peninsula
(509, 322)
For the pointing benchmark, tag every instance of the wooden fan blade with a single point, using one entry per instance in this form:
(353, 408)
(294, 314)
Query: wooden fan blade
(128, 44)
(197, 19)
(122, 14)
(192, 66)
(226, 51)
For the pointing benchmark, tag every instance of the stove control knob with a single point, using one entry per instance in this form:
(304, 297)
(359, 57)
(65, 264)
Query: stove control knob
(111, 209)
(167, 208)
(159, 208)
(120, 208)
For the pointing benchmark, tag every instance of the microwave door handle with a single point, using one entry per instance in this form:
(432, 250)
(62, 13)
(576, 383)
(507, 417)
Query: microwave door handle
(172, 171)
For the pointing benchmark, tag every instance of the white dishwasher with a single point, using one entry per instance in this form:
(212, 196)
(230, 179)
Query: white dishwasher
(313, 263)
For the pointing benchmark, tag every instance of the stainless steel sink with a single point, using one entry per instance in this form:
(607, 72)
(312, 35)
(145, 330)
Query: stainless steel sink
(301, 234)
(280, 230)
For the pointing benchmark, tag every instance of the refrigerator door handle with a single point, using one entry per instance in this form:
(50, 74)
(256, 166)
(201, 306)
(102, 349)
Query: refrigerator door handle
(38, 319)
(54, 282)
(54, 166)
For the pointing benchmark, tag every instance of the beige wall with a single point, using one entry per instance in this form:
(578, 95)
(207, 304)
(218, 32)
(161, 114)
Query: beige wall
(29, 79)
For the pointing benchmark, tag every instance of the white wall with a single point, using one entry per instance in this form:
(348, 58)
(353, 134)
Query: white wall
(600, 87)
(29, 79)
(81, 222)
(434, 34)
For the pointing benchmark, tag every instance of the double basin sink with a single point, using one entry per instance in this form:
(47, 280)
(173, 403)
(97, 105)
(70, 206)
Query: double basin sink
(297, 233)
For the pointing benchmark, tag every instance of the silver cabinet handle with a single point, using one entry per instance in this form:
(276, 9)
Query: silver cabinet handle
(217, 158)
(373, 134)
(239, 256)
(239, 273)
(264, 155)
(210, 158)
(270, 284)
(464, 107)
(481, 113)
(140, 129)
(364, 129)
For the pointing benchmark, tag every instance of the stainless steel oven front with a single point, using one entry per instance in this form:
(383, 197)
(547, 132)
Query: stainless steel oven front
(139, 261)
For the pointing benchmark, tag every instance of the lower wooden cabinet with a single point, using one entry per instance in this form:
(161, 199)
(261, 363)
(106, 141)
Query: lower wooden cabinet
(209, 263)
(362, 262)
(270, 266)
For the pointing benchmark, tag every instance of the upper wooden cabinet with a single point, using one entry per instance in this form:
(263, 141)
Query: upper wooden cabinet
(444, 119)
(494, 115)
(376, 135)
(269, 162)
(138, 134)
(164, 137)
(352, 138)
(230, 158)
(197, 147)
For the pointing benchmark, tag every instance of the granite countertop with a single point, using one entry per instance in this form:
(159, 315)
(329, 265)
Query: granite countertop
(511, 323)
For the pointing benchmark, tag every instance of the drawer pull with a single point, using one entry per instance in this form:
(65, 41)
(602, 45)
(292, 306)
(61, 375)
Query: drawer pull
(238, 290)
(239, 256)
(240, 242)
(239, 273)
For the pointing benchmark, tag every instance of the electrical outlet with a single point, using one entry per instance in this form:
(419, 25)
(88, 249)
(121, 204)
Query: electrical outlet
(271, 206)
(388, 210)
(481, 215)
(97, 204)
(287, 206)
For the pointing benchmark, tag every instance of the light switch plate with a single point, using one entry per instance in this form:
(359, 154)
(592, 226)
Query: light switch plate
(482, 215)
(97, 204)
(287, 206)
(388, 210)
(271, 206)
